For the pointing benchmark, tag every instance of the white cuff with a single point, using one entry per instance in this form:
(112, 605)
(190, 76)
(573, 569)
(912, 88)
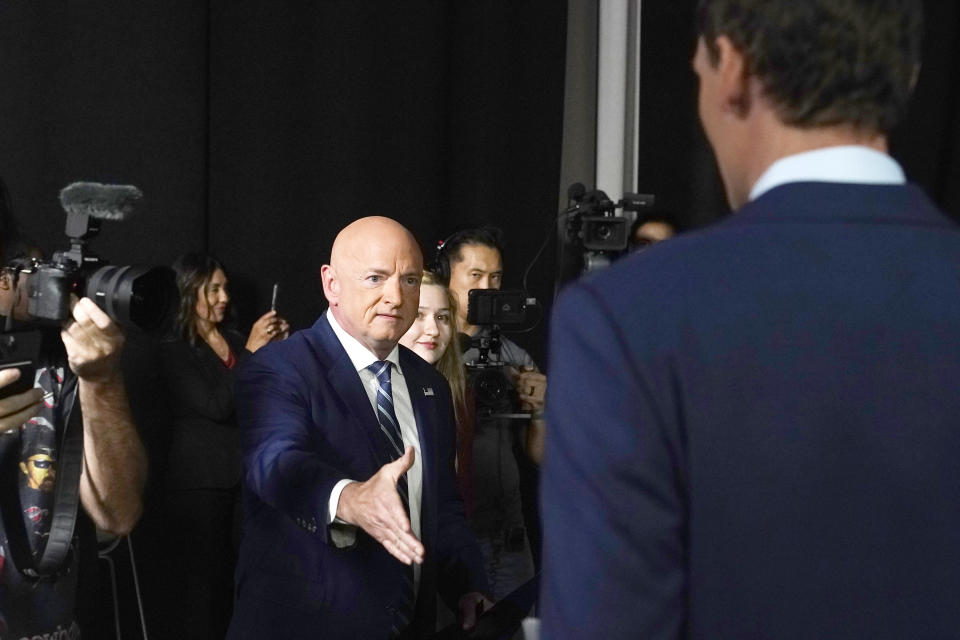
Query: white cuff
(335, 501)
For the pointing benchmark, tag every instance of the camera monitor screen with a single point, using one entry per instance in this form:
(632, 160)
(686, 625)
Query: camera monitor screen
(487, 307)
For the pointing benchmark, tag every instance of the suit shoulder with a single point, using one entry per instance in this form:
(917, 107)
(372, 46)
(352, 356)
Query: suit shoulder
(667, 268)
(652, 292)
(409, 359)
(294, 353)
(416, 367)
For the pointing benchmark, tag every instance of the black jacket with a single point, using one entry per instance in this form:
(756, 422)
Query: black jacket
(205, 445)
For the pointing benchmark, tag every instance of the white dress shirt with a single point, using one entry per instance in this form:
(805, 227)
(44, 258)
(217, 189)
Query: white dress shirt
(361, 357)
(844, 163)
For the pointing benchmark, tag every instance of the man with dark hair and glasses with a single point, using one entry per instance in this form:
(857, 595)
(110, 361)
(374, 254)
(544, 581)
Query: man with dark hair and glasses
(473, 259)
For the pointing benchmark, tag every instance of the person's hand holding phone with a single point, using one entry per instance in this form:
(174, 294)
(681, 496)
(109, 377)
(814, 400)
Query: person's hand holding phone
(19, 407)
(268, 327)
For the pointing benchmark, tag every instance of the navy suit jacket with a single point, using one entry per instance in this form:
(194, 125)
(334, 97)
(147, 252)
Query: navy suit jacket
(754, 430)
(307, 423)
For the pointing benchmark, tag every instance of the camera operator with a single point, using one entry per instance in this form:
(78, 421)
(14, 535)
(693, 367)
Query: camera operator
(649, 231)
(473, 259)
(111, 478)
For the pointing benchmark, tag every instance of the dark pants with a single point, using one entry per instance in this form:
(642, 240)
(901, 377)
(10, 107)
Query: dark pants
(204, 526)
(508, 561)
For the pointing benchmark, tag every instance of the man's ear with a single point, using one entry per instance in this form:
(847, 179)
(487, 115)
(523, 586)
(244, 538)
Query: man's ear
(734, 77)
(331, 285)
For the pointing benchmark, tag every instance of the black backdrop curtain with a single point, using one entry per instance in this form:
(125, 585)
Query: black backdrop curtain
(258, 129)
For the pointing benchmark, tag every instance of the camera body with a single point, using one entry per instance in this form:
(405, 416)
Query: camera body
(594, 223)
(133, 297)
(604, 233)
(492, 310)
(496, 308)
(142, 298)
(594, 231)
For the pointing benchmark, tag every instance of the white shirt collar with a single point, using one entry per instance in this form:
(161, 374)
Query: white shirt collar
(846, 163)
(359, 355)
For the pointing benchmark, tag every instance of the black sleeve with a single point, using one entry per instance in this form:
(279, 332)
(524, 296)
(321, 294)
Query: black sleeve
(198, 385)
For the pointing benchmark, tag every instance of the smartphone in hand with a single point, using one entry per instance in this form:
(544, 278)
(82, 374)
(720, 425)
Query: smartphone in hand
(20, 350)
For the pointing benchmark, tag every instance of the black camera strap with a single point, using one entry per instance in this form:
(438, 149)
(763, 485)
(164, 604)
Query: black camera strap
(66, 495)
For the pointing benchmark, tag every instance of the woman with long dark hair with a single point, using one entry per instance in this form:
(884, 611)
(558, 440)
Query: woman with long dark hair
(203, 468)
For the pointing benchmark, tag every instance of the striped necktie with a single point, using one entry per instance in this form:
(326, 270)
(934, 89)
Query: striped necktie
(390, 427)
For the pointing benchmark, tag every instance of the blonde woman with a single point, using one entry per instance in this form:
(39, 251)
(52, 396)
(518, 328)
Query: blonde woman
(430, 337)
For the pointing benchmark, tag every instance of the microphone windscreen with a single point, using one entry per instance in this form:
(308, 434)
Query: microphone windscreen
(104, 201)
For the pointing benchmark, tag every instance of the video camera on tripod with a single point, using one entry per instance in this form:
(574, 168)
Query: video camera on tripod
(594, 231)
(494, 310)
(593, 222)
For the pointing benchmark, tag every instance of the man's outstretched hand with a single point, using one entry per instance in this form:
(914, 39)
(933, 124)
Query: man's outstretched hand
(375, 507)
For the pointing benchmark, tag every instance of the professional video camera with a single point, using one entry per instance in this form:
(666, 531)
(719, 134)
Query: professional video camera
(140, 298)
(592, 226)
(493, 310)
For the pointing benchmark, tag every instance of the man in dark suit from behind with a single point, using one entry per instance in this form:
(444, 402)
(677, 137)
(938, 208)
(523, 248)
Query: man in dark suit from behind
(353, 523)
(755, 428)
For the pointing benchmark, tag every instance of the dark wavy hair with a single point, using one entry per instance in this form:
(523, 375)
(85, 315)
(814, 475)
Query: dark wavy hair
(449, 251)
(824, 62)
(194, 271)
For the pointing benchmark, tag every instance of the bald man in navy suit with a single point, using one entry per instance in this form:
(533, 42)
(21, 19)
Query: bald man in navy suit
(353, 523)
(755, 428)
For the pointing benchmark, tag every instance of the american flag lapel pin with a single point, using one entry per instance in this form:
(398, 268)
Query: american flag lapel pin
(428, 391)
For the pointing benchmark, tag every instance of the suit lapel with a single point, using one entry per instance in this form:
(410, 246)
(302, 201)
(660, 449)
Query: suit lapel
(424, 412)
(346, 383)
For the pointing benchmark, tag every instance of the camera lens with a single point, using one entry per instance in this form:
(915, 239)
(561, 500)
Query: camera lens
(604, 232)
(141, 297)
